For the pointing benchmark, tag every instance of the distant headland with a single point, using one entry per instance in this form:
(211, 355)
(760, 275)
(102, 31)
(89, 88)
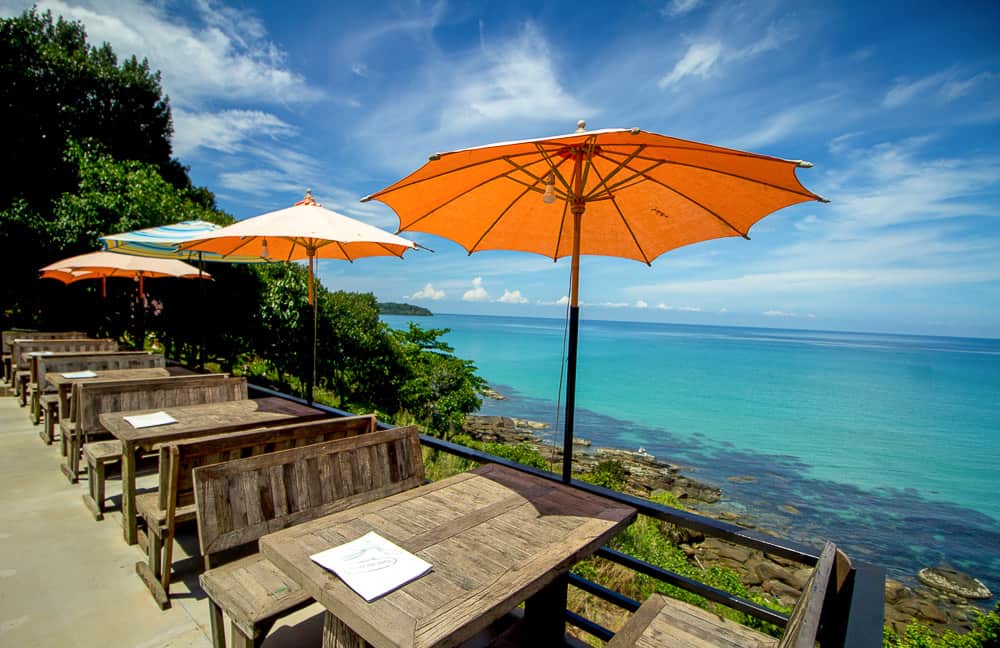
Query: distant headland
(393, 308)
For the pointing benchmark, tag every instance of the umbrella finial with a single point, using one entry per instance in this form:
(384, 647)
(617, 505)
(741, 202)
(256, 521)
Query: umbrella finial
(581, 126)
(308, 200)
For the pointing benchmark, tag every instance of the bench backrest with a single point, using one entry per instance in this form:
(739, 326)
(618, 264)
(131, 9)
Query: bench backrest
(13, 334)
(178, 459)
(239, 501)
(79, 361)
(22, 348)
(90, 400)
(803, 622)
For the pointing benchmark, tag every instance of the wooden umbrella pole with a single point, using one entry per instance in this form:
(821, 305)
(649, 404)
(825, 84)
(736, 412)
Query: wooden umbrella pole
(574, 326)
(312, 300)
(577, 205)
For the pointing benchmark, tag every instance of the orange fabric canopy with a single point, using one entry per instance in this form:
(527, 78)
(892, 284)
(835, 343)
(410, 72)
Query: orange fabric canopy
(644, 194)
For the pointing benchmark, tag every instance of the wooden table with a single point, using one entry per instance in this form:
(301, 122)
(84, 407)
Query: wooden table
(495, 537)
(64, 385)
(193, 421)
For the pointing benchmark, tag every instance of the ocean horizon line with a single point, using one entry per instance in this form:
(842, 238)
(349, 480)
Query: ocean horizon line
(844, 331)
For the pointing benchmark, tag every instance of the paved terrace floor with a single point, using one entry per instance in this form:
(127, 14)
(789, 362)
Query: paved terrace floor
(66, 580)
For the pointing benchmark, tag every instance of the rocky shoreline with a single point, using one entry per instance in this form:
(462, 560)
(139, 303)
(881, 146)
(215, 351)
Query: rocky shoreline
(941, 606)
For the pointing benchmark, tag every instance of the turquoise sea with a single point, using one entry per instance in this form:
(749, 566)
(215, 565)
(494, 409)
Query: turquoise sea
(887, 444)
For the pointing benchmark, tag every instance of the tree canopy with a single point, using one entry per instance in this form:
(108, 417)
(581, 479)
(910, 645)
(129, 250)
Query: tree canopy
(87, 151)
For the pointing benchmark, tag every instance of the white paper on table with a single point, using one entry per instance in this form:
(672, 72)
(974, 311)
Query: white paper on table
(86, 373)
(150, 420)
(372, 566)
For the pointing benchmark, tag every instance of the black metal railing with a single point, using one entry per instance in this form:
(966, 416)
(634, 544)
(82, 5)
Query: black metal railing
(852, 618)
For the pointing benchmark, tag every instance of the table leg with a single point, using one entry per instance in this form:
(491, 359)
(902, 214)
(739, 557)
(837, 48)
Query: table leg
(545, 614)
(337, 634)
(128, 493)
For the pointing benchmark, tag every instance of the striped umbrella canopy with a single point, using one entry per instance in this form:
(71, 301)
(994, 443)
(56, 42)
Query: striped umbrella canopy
(163, 242)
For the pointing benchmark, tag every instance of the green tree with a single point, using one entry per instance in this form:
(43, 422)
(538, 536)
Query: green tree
(56, 87)
(439, 387)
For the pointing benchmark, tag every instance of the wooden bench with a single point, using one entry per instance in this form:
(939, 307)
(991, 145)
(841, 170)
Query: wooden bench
(22, 351)
(239, 501)
(173, 502)
(90, 400)
(10, 335)
(45, 404)
(663, 621)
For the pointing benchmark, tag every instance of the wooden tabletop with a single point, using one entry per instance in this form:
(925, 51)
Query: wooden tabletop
(56, 379)
(495, 537)
(195, 420)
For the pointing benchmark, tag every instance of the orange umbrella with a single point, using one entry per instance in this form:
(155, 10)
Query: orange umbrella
(101, 265)
(617, 192)
(305, 230)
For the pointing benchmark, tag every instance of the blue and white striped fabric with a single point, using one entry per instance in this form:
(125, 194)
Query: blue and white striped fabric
(162, 242)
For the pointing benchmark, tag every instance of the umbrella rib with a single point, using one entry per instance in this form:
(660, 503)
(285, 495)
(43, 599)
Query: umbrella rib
(738, 176)
(619, 167)
(554, 168)
(435, 176)
(635, 174)
(497, 220)
(343, 250)
(628, 227)
(385, 246)
(562, 226)
(707, 209)
(448, 202)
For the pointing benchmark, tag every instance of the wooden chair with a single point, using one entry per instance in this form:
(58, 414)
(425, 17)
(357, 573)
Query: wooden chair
(239, 501)
(173, 502)
(663, 621)
(90, 400)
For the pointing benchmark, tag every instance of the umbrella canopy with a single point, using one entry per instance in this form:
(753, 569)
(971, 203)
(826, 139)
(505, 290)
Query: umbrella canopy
(108, 264)
(164, 242)
(617, 192)
(305, 230)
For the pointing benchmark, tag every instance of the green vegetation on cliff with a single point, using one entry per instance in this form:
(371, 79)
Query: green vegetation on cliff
(395, 308)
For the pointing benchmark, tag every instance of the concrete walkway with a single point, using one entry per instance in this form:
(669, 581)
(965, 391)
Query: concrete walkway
(66, 580)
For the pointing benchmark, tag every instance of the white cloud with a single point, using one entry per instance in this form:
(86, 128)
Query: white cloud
(680, 7)
(697, 61)
(427, 292)
(946, 86)
(512, 297)
(778, 313)
(905, 91)
(689, 309)
(224, 131)
(517, 80)
(486, 94)
(227, 57)
(641, 304)
(615, 304)
(477, 293)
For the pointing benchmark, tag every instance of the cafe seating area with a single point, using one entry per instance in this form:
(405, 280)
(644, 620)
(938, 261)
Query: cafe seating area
(205, 501)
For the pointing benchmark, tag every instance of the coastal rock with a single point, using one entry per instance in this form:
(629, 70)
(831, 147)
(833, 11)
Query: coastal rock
(489, 392)
(581, 442)
(788, 508)
(955, 582)
(742, 479)
(785, 593)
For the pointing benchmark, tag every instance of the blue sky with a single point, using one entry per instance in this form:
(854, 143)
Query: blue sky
(896, 104)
